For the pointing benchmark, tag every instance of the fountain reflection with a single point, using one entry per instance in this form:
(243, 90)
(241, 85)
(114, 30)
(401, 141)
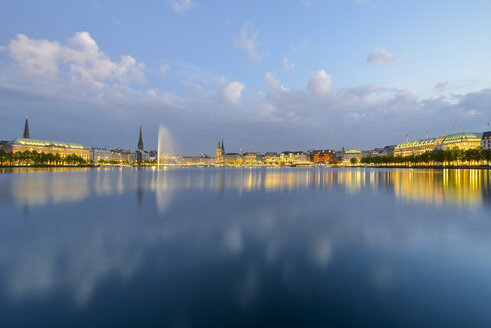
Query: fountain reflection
(245, 232)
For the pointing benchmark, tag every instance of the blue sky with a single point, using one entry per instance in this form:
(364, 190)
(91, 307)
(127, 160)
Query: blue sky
(263, 75)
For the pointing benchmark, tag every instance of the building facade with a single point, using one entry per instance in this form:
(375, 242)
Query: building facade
(350, 154)
(486, 140)
(61, 148)
(100, 154)
(322, 156)
(462, 141)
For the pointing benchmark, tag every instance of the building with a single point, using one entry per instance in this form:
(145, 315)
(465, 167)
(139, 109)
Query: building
(220, 152)
(100, 154)
(271, 158)
(202, 160)
(123, 155)
(294, 157)
(486, 140)
(463, 141)
(252, 159)
(231, 159)
(322, 156)
(417, 147)
(61, 148)
(348, 155)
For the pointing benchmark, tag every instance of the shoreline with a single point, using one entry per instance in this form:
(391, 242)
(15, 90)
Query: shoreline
(433, 167)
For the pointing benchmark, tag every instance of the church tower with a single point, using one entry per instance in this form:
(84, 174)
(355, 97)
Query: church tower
(140, 140)
(220, 152)
(26, 135)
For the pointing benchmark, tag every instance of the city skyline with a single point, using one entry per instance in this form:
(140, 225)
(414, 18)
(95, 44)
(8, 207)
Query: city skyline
(313, 75)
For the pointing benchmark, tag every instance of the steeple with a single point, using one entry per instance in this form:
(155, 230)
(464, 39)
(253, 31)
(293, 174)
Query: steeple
(140, 140)
(223, 148)
(26, 135)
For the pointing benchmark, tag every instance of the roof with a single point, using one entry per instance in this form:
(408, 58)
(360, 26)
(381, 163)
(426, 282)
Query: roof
(463, 135)
(46, 143)
(486, 135)
(353, 152)
(415, 143)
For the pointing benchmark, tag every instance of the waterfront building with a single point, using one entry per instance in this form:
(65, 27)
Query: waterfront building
(294, 157)
(350, 154)
(100, 154)
(123, 155)
(48, 147)
(271, 158)
(486, 140)
(252, 159)
(322, 156)
(231, 159)
(202, 160)
(463, 141)
(417, 147)
(220, 152)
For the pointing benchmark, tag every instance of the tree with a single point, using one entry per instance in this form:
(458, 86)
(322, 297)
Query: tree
(353, 160)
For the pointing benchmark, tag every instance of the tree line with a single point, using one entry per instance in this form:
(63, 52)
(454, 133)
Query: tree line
(435, 157)
(34, 158)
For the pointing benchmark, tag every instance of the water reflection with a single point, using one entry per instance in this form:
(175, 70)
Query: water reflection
(244, 241)
(436, 187)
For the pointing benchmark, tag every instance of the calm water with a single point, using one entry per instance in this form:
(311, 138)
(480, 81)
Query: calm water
(245, 248)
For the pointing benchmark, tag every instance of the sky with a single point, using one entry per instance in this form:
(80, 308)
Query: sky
(262, 75)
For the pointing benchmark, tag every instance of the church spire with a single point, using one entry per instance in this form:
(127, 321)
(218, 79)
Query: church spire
(140, 140)
(26, 135)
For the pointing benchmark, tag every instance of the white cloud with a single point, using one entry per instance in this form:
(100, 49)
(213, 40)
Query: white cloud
(320, 83)
(288, 65)
(86, 62)
(233, 92)
(180, 6)
(381, 57)
(247, 41)
(36, 57)
(164, 69)
(272, 83)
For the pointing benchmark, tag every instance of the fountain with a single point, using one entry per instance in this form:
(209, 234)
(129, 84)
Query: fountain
(165, 146)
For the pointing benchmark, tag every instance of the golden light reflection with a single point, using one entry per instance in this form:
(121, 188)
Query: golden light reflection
(460, 187)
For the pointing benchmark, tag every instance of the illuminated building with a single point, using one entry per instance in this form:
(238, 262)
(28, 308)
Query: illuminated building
(100, 154)
(463, 141)
(486, 140)
(350, 154)
(48, 147)
(322, 156)
(220, 152)
(252, 159)
(416, 147)
(294, 157)
(271, 158)
(202, 160)
(45, 146)
(231, 159)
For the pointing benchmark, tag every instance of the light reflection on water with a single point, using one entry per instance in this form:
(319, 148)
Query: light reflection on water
(254, 247)
(437, 187)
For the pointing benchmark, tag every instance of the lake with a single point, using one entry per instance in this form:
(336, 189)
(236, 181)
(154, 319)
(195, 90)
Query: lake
(260, 247)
